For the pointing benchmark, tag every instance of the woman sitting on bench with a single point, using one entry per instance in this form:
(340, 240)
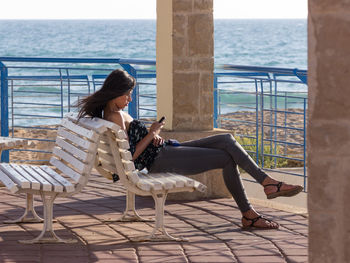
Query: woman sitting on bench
(151, 151)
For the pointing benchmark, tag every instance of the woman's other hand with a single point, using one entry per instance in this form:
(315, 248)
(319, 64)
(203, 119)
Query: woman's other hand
(157, 141)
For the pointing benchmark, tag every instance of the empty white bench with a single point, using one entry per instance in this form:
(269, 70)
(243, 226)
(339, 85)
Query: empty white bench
(73, 158)
(115, 158)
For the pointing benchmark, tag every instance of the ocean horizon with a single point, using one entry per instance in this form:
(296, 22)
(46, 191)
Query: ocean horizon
(254, 42)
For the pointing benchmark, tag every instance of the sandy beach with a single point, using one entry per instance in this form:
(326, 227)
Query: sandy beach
(242, 123)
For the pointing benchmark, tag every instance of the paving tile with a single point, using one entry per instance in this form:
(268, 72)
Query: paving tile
(213, 227)
(5, 258)
(261, 259)
(163, 259)
(257, 252)
(164, 253)
(297, 259)
(295, 251)
(158, 246)
(116, 255)
(65, 259)
(212, 259)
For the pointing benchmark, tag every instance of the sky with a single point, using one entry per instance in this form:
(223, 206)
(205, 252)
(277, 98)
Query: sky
(144, 9)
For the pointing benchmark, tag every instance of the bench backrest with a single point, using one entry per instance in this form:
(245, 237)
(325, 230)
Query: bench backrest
(75, 149)
(114, 156)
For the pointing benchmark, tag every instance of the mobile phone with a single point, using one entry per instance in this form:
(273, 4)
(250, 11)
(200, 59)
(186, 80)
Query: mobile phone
(161, 119)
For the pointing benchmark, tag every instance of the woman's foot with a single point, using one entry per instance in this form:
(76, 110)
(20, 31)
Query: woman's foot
(273, 188)
(251, 219)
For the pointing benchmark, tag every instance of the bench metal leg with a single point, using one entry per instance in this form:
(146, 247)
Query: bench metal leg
(29, 215)
(163, 235)
(130, 214)
(48, 200)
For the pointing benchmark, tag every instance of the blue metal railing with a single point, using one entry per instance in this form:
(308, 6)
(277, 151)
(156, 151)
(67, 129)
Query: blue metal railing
(37, 92)
(265, 106)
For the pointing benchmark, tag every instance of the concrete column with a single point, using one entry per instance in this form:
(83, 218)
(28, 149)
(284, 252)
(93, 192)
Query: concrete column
(329, 131)
(185, 63)
(185, 70)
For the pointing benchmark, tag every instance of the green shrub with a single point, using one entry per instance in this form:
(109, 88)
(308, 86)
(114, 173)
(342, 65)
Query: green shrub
(249, 144)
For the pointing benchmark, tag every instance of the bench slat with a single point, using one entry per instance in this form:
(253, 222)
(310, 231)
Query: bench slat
(133, 177)
(68, 187)
(15, 176)
(83, 143)
(33, 182)
(97, 124)
(79, 130)
(83, 156)
(178, 183)
(104, 139)
(188, 181)
(7, 181)
(78, 165)
(144, 179)
(45, 185)
(104, 147)
(126, 155)
(108, 167)
(107, 157)
(166, 184)
(77, 177)
(128, 166)
(121, 135)
(199, 186)
(57, 187)
(90, 123)
(123, 144)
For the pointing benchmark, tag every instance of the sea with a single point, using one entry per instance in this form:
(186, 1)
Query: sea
(249, 42)
(261, 42)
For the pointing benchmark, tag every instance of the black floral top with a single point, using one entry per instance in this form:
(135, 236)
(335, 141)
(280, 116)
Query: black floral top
(137, 131)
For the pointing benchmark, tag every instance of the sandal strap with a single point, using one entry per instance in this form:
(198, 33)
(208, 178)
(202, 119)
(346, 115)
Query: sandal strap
(278, 185)
(254, 220)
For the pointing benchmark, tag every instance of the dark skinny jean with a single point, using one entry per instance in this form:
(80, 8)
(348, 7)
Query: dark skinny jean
(214, 152)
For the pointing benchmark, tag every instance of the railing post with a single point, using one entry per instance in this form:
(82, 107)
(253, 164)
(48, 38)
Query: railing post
(262, 124)
(216, 101)
(256, 121)
(134, 105)
(4, 108)
(304, 142)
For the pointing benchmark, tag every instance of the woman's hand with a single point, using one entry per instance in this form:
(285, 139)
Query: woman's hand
(151, 137)
(157, 141)
(155, 128)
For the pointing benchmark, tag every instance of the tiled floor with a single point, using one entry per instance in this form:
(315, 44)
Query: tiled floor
(213, 227)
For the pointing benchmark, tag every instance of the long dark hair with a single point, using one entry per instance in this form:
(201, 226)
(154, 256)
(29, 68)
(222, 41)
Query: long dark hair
(117, 83)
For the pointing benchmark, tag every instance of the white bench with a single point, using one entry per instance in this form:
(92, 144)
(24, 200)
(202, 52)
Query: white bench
(114, 158)
(77, 146)
(73, 158)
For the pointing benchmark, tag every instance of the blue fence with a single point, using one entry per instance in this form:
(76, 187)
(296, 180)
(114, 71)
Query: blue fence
(266, 107)
(37, 92)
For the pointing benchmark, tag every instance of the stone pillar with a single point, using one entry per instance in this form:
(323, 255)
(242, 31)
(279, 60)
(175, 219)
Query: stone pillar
(329, 131)
(185, 63)
(185, 70)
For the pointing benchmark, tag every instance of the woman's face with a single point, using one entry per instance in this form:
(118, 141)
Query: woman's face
(122, 101)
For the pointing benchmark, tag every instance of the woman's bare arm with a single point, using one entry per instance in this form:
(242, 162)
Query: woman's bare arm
(153, 133)
(123, 120)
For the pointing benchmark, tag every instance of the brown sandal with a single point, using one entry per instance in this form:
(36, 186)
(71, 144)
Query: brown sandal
(291, 192)
(256, 219)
